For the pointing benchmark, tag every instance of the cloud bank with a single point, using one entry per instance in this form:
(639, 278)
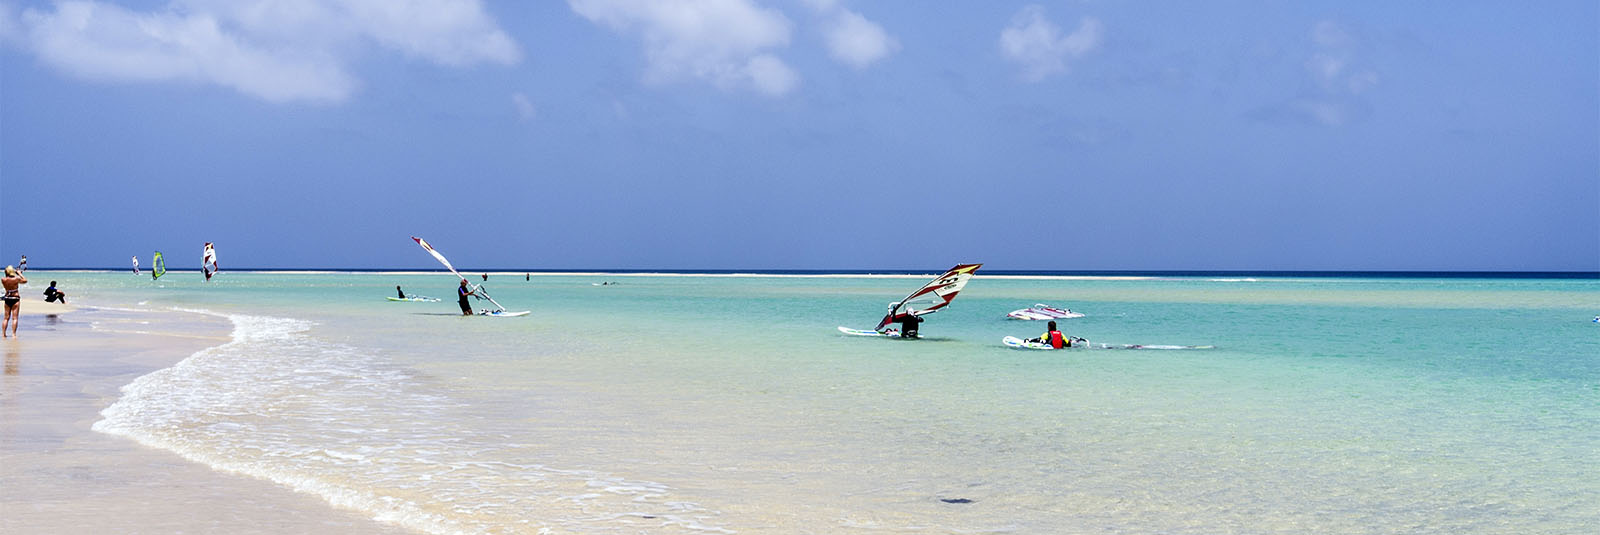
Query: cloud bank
(275, 51)
(1037, 44)
(728, 43)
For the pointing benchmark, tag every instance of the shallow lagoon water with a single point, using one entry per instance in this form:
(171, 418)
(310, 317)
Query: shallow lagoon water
(668, 404)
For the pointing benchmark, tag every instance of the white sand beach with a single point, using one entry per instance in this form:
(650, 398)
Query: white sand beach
(59, 477)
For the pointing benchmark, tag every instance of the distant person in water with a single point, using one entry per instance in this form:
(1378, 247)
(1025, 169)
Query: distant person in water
(52, 295)
(463, 292)
(527, 276)
(1053, 337)
(399, 291)
(908, 324)
(485, 276)
(13, 300)
(23, 265)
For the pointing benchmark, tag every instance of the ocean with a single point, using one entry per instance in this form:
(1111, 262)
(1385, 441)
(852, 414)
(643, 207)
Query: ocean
(731, 404)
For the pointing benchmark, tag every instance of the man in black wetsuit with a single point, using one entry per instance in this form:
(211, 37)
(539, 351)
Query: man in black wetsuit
(908, 326)
(52, 295)
(463, 292)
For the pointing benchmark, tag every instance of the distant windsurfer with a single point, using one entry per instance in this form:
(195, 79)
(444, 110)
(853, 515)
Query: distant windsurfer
(23, 265)
(486, 277)
(399, 291)
(1053, 337)
(463, 292)
(13, 300)
(908, 322)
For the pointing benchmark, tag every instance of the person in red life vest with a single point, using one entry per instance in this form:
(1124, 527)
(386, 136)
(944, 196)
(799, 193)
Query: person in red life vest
(1054, 338)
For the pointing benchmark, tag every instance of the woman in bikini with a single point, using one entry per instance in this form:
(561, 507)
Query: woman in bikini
(13, 300)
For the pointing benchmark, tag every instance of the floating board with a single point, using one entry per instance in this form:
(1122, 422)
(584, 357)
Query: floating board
(1041, 311)
(414, 299)
(504, 313)
(1014, 342)
(891, 333)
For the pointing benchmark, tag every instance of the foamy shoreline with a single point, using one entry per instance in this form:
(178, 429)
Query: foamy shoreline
(59, 476)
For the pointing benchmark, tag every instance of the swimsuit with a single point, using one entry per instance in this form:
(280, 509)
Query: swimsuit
(12, 298)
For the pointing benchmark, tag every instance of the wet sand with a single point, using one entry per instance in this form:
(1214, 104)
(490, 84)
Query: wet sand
(57, 476)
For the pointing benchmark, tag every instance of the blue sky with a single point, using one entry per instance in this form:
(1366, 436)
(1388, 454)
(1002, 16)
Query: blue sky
(803, 134)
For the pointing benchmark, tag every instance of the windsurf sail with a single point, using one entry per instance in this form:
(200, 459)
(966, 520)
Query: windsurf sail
(158, 266)
(476, 288)
(136, 265)
(931, 296)
(208, 261)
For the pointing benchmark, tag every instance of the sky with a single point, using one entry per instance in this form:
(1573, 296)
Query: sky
(803, 134)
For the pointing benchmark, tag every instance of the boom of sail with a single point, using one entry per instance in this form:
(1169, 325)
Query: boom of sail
(931, 296)
(477, 289)
(208, 261)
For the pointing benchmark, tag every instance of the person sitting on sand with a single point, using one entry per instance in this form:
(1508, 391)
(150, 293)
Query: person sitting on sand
(13, 300)
(1053, 337)
(463, 292)
(52, 295)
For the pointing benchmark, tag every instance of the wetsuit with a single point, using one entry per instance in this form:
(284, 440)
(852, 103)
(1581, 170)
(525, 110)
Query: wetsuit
(52, 295)
(908, 326)
(401, 292)
(466, 308)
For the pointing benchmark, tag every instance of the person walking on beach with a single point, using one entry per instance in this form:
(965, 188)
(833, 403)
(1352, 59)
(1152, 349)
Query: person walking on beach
(463, 292)
(52, 295)
(13, 300)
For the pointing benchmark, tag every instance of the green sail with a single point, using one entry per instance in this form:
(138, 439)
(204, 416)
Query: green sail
(160, 267)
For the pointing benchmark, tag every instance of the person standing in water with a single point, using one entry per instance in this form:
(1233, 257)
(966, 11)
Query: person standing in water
(13, 300)
(463, 292)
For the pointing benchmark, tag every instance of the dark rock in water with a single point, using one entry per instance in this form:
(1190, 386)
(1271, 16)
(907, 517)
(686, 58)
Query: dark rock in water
(955, 500)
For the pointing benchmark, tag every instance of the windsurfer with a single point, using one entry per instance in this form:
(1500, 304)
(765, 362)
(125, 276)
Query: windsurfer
(13, 300)
(1053, 337)
(463, 292)
(908, 323)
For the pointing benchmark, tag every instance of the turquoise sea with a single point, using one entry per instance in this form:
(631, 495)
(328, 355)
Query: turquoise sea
(719, 404)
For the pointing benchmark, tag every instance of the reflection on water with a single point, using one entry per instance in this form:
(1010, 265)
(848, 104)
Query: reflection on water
(13, 360)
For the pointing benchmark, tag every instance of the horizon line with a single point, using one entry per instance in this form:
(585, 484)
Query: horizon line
(1555, 274)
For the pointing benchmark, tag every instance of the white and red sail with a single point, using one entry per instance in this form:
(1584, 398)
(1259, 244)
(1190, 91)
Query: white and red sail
(135, 264)
(931, 296)
(477, 288)
(208, 261)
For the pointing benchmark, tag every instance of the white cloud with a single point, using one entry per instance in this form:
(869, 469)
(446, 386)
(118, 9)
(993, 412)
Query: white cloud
(274, 50)
(1335, 80)
(856, 41)
(725, 42)
(1037, 44)
(524, 107)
